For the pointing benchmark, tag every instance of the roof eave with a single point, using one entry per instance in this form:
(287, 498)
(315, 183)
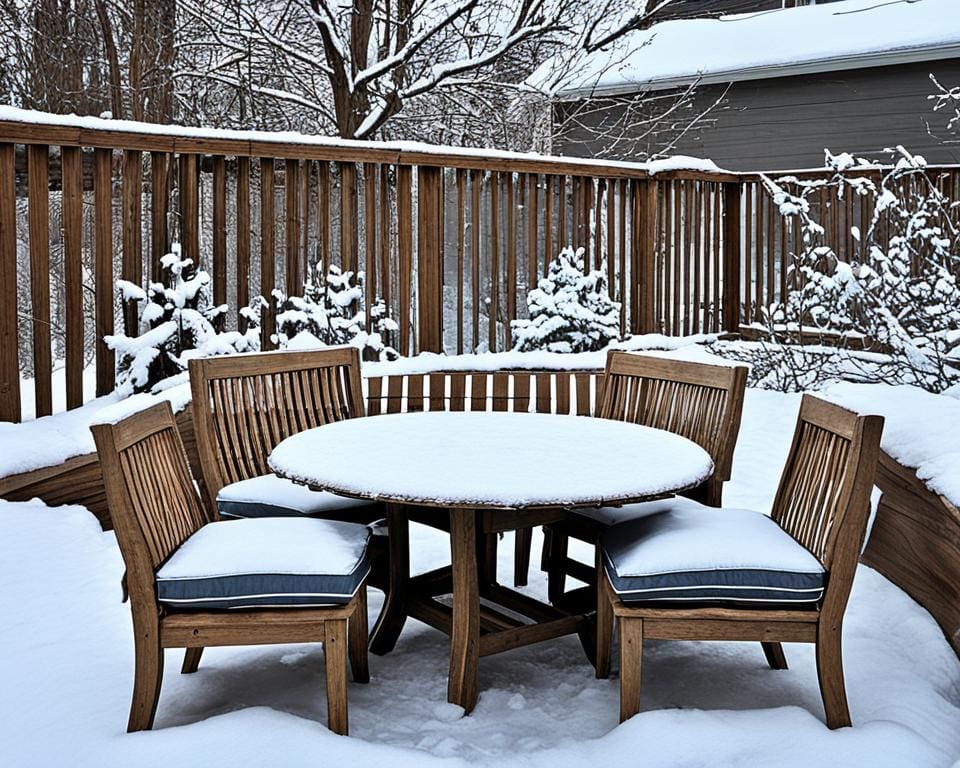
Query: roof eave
(766, 72)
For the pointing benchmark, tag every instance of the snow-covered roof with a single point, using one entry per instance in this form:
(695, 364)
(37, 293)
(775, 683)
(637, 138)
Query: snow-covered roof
(851, 34)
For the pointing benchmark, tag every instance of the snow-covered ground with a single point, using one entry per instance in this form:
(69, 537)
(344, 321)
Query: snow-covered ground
(66, 661)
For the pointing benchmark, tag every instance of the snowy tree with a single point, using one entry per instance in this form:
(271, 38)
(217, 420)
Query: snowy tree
(570, 310)
(330, 312)
(900, 293)
(177, 322)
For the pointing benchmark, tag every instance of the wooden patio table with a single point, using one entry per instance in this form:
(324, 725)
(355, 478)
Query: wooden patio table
(483, 472)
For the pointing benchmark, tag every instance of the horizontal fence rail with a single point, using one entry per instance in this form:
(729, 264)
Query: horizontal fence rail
(451, 240)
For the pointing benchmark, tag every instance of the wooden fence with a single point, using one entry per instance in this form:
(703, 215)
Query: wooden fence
(451, 240)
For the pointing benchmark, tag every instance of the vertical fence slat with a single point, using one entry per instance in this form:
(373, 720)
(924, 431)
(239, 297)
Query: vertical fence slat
(384, 240)
(190, 206)
(323, 211)
(511, 259)
(405, 250)
(548, 253)
(9, 347)
(159, 211)
(131, 268)
(349, 254)
(103, 266)
(219, 230)
(493, 303)
(370, 233)
(243, 238)
(476, 182)
(268, 247)
(72, 171)
(430, 258)
(731, 257)
(38, 185)
(533, 236)
(291, 212)
(461, 237)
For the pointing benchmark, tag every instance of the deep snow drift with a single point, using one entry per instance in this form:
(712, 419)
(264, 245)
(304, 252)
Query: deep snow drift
(66, 663)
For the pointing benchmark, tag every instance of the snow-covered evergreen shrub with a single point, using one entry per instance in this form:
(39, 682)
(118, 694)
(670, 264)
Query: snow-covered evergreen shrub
(176, 322)
(331, 312)
(570, 310)
(900, 292)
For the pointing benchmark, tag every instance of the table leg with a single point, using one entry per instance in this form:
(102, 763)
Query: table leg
(393, 615)
(465, 637)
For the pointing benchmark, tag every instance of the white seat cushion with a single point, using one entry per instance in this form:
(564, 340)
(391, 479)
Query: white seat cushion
(614, 515)
(273, 496)
(266, 562)
(699, 553)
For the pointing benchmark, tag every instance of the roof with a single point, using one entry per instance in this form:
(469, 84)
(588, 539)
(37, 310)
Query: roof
(851, 34)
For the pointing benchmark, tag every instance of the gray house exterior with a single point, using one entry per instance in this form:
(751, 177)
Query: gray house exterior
(775, 116)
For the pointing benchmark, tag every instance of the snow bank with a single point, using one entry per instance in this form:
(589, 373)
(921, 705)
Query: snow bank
(822, 37)
(921, 429)
(65, 694)
(51, 440)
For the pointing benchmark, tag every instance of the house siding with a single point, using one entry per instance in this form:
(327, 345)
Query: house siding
(786, 123)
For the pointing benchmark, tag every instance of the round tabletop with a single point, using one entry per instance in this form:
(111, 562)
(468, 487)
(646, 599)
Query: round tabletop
(492, 460)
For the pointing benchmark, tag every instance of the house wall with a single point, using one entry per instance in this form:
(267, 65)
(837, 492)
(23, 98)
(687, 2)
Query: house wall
(785, 123)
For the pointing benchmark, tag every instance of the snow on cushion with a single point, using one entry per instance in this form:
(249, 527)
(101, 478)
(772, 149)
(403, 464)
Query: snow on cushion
(273, 496)
(704, 554)
(266, 562)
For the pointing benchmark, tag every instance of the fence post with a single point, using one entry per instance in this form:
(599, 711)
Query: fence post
(430, 258)
(9, 358)
(731, 256)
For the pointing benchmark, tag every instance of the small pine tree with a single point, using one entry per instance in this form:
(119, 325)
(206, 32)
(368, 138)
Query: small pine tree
(330, 312)
(570, 311)
(177, 322)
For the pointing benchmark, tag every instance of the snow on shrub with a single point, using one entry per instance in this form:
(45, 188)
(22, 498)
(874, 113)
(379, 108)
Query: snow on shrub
(177, 321)
(570, 310)
(331, 312)
(899, 295)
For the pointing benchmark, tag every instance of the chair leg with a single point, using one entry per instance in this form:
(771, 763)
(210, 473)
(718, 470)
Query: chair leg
(191, 660)
(357, 629)
(393, 615)
(775, 655)
(631, 663)
(830, 674)
(522, 546)
(604, 627)
(547, 548)
(148, 676)
(335, 656)
(556, 576)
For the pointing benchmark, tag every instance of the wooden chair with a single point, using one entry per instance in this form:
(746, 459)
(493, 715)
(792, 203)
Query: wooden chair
(698, 401)
(157, 512)
(244, 405)
(821, 508)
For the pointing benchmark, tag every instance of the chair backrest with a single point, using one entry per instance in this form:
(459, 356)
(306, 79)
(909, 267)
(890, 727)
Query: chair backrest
(153, 502)
(695, 400)
(244, 405)
(823, 500)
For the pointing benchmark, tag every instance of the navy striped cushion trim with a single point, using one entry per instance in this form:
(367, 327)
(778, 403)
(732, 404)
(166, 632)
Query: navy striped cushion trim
(260, 590)
(719, 584)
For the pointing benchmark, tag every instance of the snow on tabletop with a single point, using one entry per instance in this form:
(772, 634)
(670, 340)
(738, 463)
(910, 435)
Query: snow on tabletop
(280, 545)
(505, 459)
(736, 46)
(51, 440)
(921, 430)
(15, 114)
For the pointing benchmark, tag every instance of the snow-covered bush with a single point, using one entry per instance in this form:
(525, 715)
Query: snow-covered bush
(570, 309)
(177, 321)
(899, 294)
(331, 312)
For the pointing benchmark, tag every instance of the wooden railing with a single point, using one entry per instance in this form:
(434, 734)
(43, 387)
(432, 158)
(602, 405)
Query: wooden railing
(452, 240)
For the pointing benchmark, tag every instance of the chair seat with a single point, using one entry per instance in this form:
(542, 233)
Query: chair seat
(608, 516)
(273, 496)
(266, 562)
(703, 554)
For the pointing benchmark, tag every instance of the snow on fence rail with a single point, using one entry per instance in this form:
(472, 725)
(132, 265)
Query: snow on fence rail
(451, 239)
